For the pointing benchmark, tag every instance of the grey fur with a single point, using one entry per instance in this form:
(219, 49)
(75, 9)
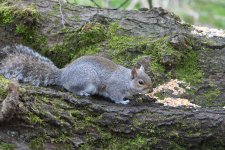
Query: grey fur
(26, 65)
(88, 75)
(94, 71)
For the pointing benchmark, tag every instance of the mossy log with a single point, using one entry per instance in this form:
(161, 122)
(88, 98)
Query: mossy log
(51, 118)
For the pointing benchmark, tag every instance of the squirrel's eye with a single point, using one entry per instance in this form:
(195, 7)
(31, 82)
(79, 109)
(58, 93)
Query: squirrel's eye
(141, 82)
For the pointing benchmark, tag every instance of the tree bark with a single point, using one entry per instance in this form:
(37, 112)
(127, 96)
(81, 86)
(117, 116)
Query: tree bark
(51, 118)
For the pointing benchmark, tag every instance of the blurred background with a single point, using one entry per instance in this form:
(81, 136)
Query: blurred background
(209, 13)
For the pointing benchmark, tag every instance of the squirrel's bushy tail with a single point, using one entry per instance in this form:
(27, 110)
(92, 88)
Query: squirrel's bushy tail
(25, 65)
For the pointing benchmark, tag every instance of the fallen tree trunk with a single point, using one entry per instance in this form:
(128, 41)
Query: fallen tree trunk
(48, 118)
(54, 119)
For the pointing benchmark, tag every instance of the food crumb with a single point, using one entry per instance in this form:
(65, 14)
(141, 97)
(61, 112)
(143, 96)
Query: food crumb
(174, 86)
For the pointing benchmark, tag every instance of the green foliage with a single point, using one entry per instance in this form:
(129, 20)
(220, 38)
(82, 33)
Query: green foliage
(214, 16)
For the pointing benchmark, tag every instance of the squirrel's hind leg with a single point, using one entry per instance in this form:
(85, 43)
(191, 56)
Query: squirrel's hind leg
(87, 90)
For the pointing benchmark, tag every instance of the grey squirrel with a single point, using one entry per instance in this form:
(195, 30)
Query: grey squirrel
(87, 75)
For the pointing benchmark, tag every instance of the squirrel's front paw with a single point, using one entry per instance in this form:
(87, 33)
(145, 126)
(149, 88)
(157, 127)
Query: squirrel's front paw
(123, 102)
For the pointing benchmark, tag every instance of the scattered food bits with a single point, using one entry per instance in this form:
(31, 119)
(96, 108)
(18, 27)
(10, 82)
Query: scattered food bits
(174, 86)
(175, 102)
(208, 32)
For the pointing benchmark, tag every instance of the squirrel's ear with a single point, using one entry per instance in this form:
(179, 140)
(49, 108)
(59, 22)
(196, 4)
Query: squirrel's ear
(133, 73)
(142, 68)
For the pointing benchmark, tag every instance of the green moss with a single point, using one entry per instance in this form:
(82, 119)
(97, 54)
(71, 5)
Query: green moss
(214, 144)
(30, 36)
(6, 15)
(74, 113)
(82, 42)
(212, 94)
(6, 146)
(188, 25)
(34, 119)
(138, 142)
(62, 138)
(136, 122)
(24, 23)
(3, 81)
(117, 142)
(88, 50)
(3, 87)
(37, 143)
(12, 14)
(208, 98)
(122, 48)
(188, 70)
(90, 33)
(159, 50)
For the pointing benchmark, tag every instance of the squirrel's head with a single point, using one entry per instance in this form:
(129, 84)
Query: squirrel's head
(141, 82)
